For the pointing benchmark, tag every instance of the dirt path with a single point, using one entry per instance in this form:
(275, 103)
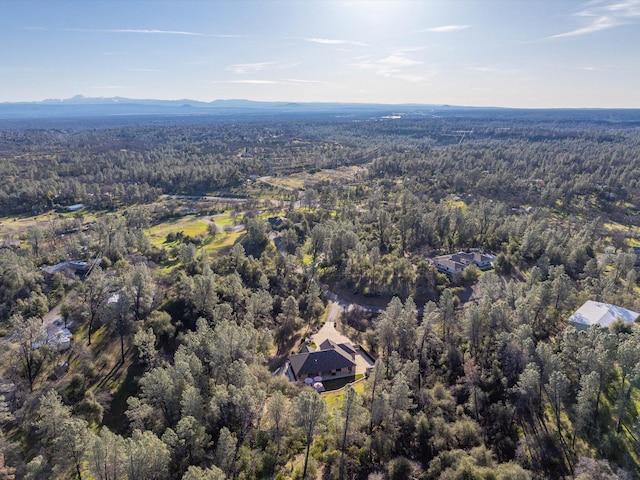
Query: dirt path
(275, 185)
(52, 315)
(224, 228)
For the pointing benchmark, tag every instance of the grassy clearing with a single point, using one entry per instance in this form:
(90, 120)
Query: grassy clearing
(633, 242)
(295, 181)
(222, 240)
(191, 226)
(614, 226)
(15, 225)
(226, 220)
(298, 181)
(454, 202)
(631, 230)
(266, 214)
(167, 267)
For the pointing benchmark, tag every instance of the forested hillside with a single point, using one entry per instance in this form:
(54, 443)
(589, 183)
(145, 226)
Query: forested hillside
(200, 256)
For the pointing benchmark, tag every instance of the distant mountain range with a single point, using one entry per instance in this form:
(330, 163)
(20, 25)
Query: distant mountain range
(118, 107)
(79, 106)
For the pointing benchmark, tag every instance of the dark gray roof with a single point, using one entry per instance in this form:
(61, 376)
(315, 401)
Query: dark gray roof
(76, 265)
(53, 269)
(307, 363)
(330, 344)
(275, 221)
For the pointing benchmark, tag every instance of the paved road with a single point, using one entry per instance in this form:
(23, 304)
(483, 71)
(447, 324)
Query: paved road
(329, 332)
(350, 306)
(207, 197)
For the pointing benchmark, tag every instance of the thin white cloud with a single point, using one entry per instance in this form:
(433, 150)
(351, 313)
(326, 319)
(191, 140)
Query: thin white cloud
(446, 28)
(397, 65)
(298, 81)
(286, 81)
(143, 70)
(495, 70)
(361, 57)
(602, 15)
(484, 69)
(330, 41)
(398, 60)
(254, 82)
(242, 68)
(134, 30)
(149, 32)
(108, 87)
(597, 25)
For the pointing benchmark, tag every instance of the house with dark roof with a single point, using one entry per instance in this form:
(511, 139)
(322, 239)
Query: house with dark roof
(457, 262)
(70, 267)
(328, 360)
(275, 221)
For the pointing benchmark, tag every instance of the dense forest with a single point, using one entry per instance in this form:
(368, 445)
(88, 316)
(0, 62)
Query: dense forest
(200, 256)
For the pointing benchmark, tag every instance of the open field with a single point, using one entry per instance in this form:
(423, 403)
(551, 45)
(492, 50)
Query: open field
(302, 179)
(223, 240)
(14, 226)
(191, 226)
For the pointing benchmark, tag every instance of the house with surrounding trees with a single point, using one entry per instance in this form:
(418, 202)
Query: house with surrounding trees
(601, 314)
(328, 360)
(457, 262)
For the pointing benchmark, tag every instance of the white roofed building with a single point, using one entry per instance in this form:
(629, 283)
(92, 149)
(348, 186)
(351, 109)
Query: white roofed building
(602, 314)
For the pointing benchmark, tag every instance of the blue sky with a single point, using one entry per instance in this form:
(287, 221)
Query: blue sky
(513, 53)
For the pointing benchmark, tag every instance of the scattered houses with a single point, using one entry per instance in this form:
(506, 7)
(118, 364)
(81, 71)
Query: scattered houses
(455, 263)
(602, 314)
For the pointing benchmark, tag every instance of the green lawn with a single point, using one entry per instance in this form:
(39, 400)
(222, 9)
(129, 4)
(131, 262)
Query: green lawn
(335, 392)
